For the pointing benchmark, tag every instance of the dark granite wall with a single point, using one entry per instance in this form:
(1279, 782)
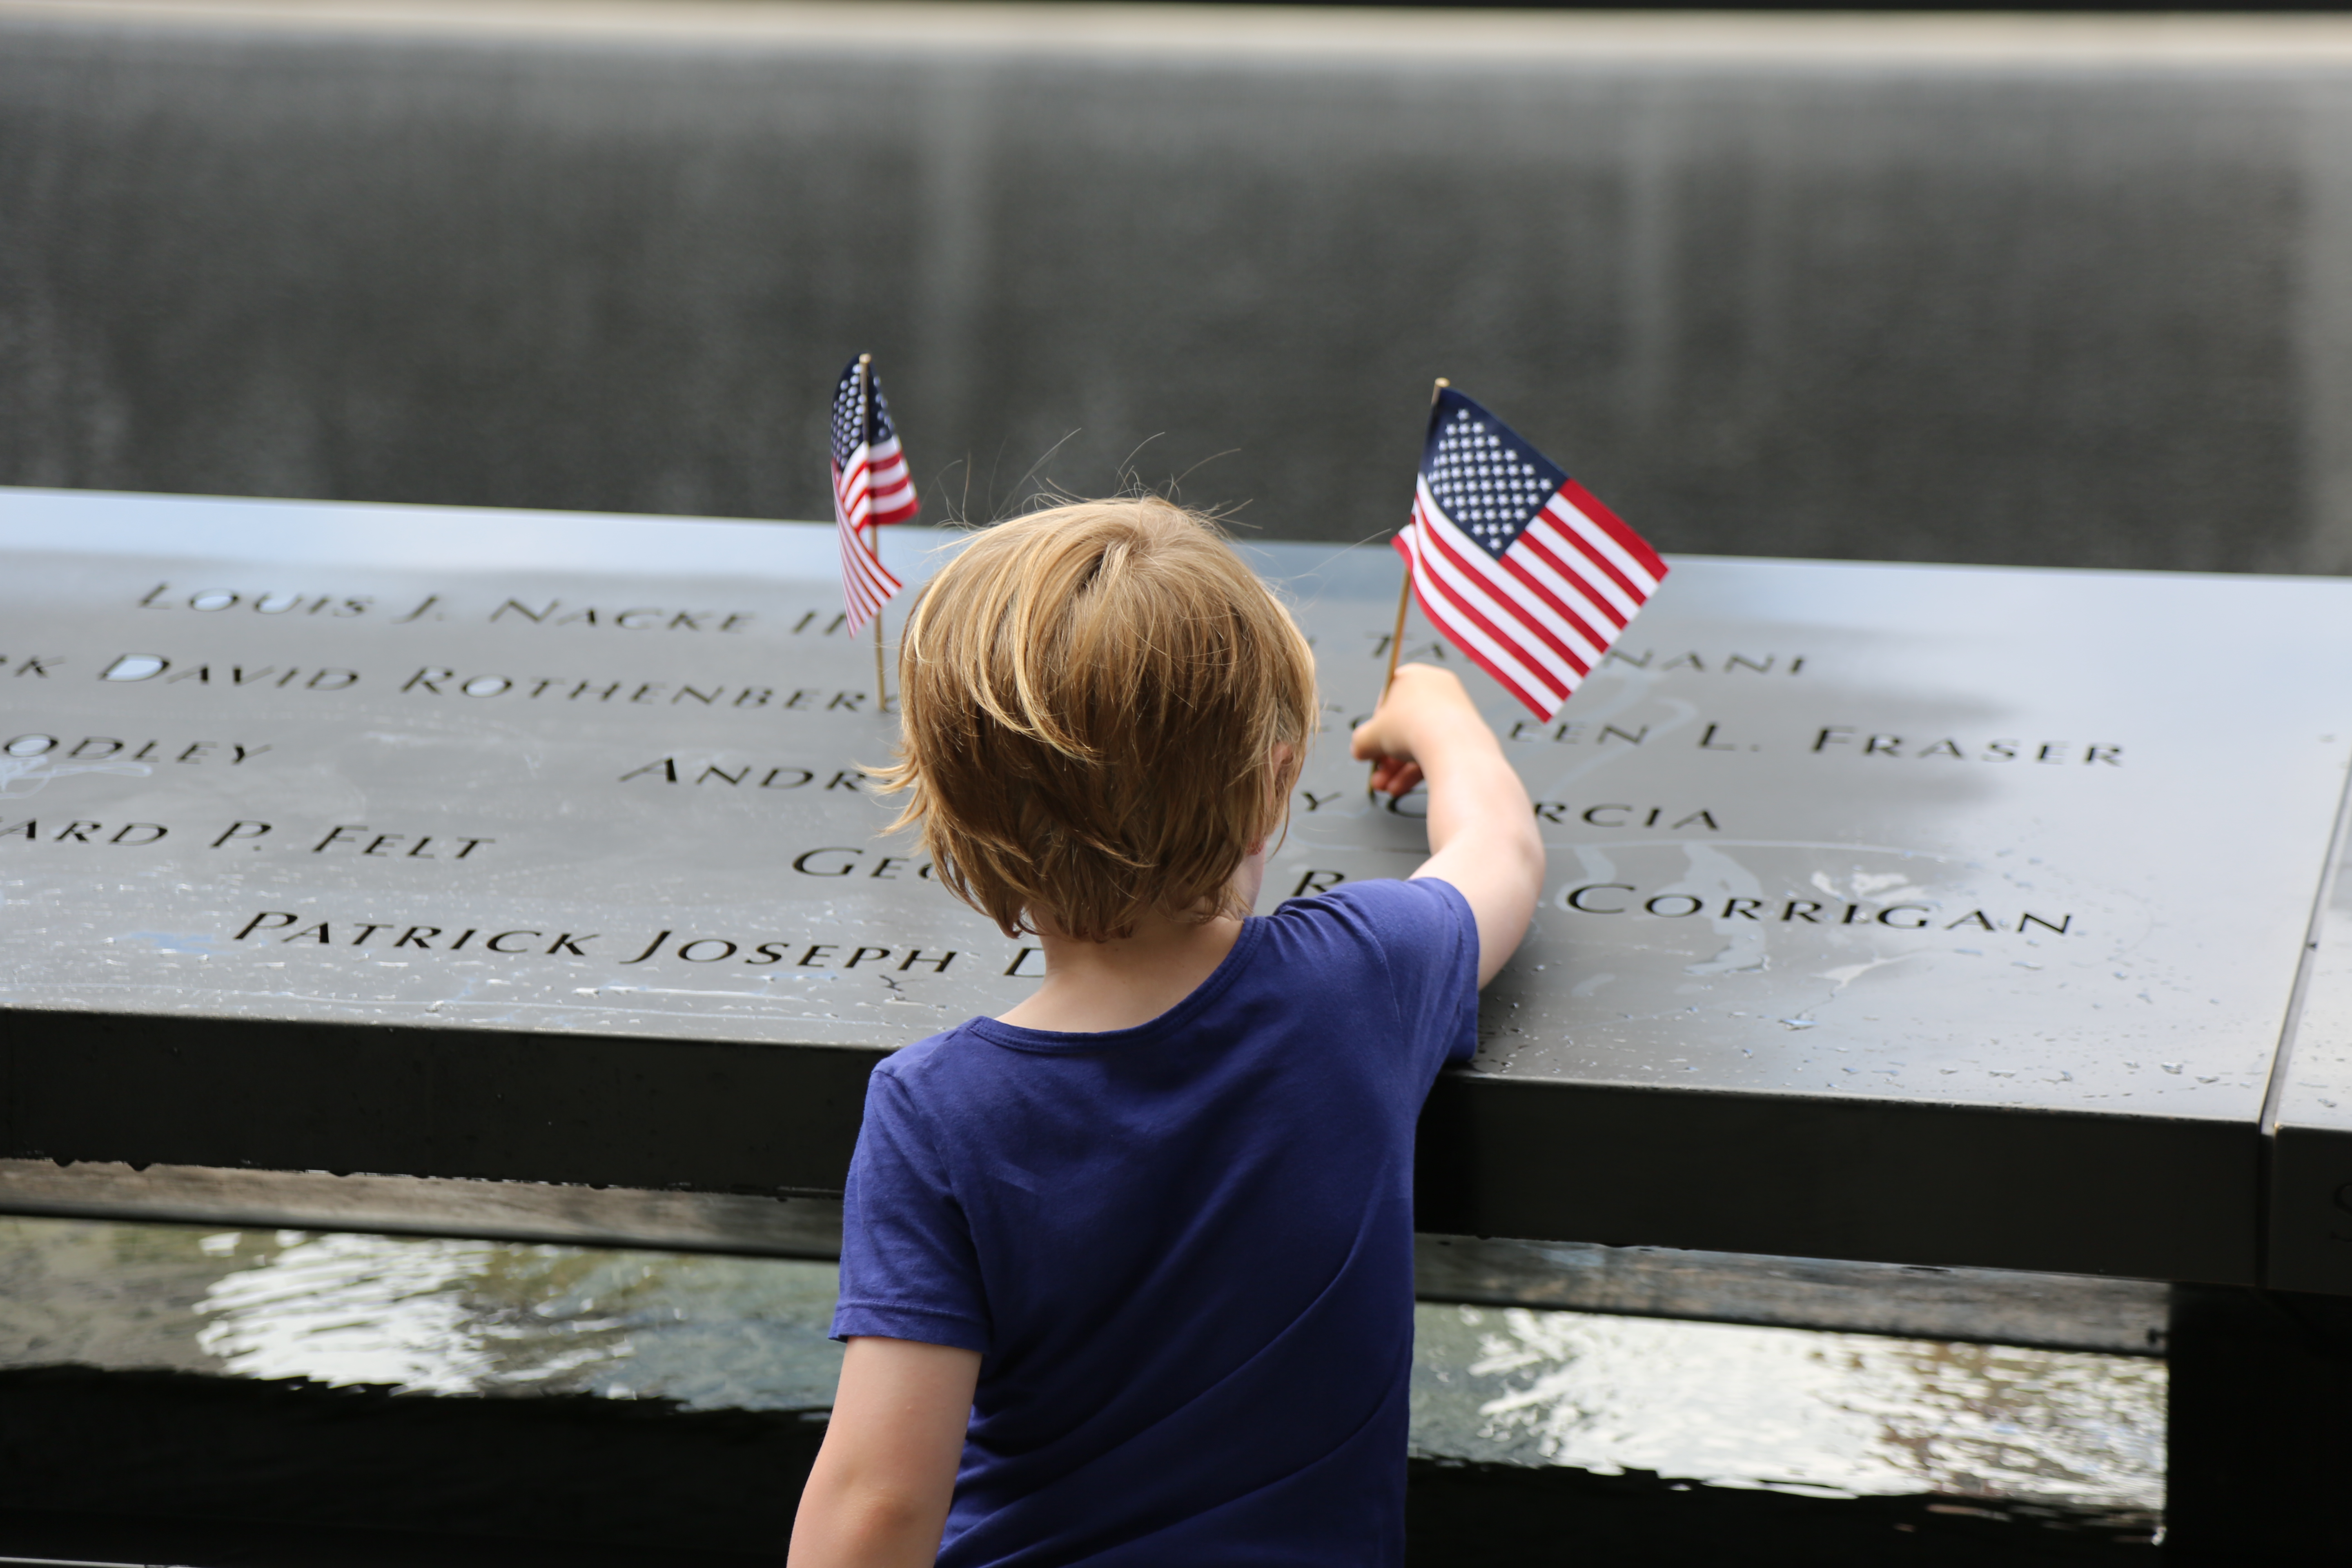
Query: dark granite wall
(1902, 308)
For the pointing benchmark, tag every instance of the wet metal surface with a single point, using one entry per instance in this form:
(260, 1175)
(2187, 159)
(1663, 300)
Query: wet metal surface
(2056, 1311)
(490, 1211)
(1925, 914)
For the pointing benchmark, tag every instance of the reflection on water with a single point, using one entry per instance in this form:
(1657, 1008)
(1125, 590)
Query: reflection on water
(1789, 1408)
(341, 1309)
(1731, 1405)
(478, 1317)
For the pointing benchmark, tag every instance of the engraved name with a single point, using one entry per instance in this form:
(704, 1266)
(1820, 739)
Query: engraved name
(1624, 898)
(106, 748)
(288, 928)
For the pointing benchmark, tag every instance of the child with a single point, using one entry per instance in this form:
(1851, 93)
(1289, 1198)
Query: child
(1127, 1273)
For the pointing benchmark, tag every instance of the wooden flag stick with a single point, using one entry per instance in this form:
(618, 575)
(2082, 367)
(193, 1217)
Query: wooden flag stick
(1404, 603)
(873, 530)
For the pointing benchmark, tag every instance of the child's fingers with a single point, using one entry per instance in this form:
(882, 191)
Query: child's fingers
(1415, 689)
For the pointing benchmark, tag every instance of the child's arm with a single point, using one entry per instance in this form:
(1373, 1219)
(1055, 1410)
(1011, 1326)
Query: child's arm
(878, 1496)
(1481, 827)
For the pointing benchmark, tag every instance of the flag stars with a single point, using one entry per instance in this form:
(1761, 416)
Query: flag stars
(1480, 483)
(847, 417)
(1488, 484)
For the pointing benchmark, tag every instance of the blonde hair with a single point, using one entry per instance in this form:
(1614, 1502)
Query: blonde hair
(1091, 698)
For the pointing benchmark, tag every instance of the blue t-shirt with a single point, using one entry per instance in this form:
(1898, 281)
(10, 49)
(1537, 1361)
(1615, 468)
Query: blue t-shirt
(1184, 1249)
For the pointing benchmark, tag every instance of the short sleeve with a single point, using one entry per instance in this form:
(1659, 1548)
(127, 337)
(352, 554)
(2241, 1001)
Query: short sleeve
(908, 1271)
(1438, 980)
(1428, 941)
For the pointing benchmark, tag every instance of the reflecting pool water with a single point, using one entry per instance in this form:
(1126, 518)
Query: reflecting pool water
(472, 1317)
(1825, 1413)
(1842, 1414)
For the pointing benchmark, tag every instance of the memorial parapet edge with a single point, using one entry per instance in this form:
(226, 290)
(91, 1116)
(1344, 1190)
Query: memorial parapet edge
(1934, 915)
(2309, 1114)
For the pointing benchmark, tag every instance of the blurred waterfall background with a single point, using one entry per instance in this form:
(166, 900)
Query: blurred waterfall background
(2033, 290)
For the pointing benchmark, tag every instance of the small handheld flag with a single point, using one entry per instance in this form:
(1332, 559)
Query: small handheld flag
(1518, 564)
(871, 486)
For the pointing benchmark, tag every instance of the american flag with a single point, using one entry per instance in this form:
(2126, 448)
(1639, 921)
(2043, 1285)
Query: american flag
(1516, 564)
(871, 486)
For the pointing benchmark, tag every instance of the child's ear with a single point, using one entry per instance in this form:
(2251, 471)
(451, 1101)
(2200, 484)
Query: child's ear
(1280, 775)
(1279, 781)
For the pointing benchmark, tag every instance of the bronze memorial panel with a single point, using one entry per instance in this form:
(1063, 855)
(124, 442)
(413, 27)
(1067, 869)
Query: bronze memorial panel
(1926, 914)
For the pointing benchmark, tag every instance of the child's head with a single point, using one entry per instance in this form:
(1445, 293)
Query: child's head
(1104, 714)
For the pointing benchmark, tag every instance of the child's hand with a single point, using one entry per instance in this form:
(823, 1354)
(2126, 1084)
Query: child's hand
(1421, 702)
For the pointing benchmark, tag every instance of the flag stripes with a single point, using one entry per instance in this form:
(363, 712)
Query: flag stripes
(871, 486)
(1515, 563)
(890, 489)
